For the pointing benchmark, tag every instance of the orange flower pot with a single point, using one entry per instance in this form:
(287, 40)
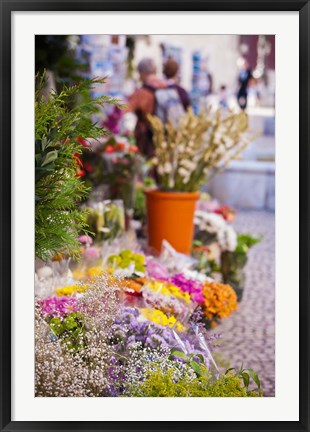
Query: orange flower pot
(170, 216)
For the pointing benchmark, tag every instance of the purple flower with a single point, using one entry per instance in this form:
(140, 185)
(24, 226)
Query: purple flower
(59, 306)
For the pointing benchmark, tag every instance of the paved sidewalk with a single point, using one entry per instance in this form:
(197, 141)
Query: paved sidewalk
(248, 335)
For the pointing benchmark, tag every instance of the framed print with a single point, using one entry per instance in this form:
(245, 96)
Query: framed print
(154, 182)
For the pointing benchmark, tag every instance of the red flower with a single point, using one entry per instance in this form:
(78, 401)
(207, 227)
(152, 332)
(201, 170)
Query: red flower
(80, 173)
(77, 159)
(120, 147)
(83, 142)
(133, 149)
(110, 149)
(228, 213)
(88, 167)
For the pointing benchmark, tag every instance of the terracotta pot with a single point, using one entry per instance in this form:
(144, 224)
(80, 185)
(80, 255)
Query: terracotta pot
(170, 216)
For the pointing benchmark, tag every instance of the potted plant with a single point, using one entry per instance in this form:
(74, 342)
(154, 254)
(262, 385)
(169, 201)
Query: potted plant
(186, 156)
(233, 262)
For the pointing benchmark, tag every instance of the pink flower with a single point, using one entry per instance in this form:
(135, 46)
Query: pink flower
(85, 239)
(91, 254)
(157, 270)
(59, 306)
(188, 285)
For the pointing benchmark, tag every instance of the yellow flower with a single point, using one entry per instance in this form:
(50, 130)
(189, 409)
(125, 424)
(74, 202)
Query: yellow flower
(168, 289)
(71, 289)
(159, 317)
(95, 271)
(78, 274)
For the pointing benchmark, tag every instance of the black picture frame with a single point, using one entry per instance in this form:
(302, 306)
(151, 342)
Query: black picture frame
(7, 7)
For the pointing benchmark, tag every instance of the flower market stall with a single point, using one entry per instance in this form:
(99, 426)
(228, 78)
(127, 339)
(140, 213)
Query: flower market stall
(118, 313)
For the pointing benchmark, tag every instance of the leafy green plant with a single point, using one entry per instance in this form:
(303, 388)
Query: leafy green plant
(57, 53)
(62, 126)
(160, 384)
(70, 330)
(106, 220)
(246, 375)
(140, 201)
(245, 242)
(199, 368)
(233, 263)
(127, 257)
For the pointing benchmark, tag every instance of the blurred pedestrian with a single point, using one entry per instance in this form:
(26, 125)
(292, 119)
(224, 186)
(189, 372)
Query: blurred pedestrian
(223, 97)
(244, 77)
(142, 103)
(170, 71)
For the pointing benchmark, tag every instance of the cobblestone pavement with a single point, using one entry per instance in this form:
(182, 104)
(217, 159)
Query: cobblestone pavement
(248, 335)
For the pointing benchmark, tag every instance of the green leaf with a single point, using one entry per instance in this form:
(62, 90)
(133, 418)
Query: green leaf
(50, 157)
(44, 143)
(200, 356)
(126, 254)
(178, 354)
(246, 379)
(196, 367)
(254, 377)
(230, 369)
(69, 323)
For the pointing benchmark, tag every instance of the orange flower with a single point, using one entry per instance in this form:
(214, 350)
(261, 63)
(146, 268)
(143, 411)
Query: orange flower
(220, 300)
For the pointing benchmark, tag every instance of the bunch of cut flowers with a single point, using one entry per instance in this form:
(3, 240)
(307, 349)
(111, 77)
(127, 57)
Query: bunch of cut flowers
(94, 346)
(188, 155)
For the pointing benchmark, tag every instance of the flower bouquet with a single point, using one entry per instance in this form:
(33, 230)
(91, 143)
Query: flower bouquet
(186, 157)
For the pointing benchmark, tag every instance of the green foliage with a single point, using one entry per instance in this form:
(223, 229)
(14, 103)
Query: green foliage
(246, 375)
(159, 384)
(198, 368)
(106, 222)
(233, 263)
(127, 257)
(245, 242)
(140, 202)
(204, 264)
(70, 330)
(61, 125)
(57, 53)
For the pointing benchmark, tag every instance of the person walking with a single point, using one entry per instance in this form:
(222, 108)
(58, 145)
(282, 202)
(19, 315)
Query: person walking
(245, 76)
(170, 71)
(143, 102)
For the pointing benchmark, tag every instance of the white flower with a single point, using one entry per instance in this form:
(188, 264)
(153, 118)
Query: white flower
(168, 167)
(195, 275)
(210, 222)
(190, 165)
(164, 144)
(228, 141)
(44, 272)
(183, 172)
(227, 239)
(221, 149)
(160, 170)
